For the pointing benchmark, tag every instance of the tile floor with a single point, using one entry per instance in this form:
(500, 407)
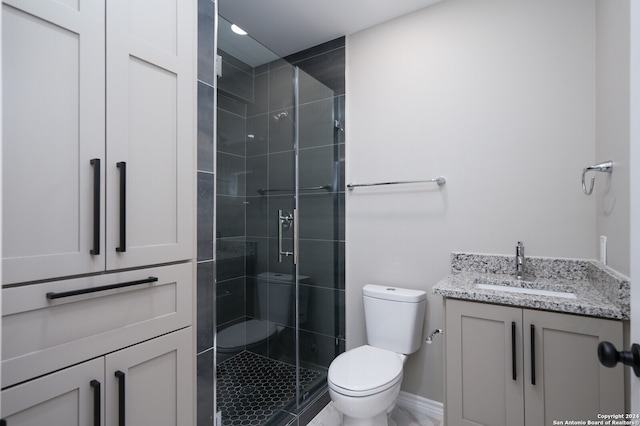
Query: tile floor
(252, 388)
(401, 416)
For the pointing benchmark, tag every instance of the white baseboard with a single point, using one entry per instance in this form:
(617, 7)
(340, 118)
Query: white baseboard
(420, 405)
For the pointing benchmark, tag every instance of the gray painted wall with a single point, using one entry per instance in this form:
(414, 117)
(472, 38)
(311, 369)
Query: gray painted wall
(500, 98)
(612, 129)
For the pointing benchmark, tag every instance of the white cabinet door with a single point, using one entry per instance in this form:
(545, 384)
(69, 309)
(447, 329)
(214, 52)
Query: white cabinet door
(483, 364)
(53, 126)
(151, 77)
(148, 384)
(569, 381)
(67, 397)
(152, 383)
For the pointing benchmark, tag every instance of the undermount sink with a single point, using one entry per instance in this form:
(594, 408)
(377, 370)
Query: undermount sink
(525, 287)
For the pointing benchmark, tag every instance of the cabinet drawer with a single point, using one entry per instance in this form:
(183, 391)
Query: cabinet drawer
(42, 333)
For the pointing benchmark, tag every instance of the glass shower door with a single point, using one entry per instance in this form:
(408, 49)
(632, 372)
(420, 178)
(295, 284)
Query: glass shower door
(320, 205)
(279, 291)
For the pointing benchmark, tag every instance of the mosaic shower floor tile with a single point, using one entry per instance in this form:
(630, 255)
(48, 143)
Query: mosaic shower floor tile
(251, 388)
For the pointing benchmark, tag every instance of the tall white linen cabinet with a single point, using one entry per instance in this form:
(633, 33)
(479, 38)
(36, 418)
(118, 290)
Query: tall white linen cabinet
(99, 116)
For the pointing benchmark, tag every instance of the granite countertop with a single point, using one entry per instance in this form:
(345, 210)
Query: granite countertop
(600, 291)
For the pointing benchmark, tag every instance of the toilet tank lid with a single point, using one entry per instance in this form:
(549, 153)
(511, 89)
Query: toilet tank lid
(394, 293)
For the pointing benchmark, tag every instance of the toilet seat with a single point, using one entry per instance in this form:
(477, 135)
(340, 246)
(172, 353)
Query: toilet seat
(365, 371)
(244, 334)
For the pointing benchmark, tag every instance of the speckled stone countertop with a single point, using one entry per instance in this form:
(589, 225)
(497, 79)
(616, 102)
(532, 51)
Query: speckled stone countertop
(600, 291)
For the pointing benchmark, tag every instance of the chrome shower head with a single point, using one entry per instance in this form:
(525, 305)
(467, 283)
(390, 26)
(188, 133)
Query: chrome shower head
(278, 116)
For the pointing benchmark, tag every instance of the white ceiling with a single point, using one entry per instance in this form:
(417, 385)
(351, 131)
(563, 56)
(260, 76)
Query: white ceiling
(289, 26)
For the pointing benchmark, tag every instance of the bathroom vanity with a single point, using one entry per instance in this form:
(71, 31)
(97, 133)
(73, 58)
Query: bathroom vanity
(524, 352)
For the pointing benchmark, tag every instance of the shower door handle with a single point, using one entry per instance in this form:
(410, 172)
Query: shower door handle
(285, 220)
(295, 236)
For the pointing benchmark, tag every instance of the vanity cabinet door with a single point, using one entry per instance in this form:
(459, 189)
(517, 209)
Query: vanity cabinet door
(483, 364)
(151, 383)
(563, 378)
(69, 397)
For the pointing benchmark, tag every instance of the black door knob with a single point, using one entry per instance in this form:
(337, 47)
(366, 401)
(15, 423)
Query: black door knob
(609, 356)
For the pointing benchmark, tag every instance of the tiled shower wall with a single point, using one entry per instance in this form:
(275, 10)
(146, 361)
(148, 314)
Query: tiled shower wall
(206, 193)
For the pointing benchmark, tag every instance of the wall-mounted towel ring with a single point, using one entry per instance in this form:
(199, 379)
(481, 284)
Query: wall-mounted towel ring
(606, 167)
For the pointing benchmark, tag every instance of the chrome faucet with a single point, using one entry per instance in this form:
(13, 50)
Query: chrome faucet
(520, 260)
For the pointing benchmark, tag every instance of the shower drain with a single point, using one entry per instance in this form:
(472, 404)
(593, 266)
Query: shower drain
(247, 390)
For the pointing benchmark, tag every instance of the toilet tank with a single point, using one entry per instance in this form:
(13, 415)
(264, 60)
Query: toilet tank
(394, 317)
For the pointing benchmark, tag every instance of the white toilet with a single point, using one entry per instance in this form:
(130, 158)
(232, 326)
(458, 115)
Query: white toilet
(364, 382)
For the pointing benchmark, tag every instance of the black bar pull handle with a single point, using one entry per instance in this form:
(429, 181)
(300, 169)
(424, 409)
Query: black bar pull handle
(3, 422)
(123, 207)
(95, 162)
(96, 402)
(52, 295)
(121, 408)
(513, 351)
(533, 354)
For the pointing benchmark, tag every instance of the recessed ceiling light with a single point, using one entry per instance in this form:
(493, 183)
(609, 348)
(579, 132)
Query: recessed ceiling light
(236, 29)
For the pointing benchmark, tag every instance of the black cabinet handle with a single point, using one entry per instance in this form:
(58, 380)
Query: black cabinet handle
(96, 206)
(70, 293)
(123, 207)
(3, 422)
(513, 351)
(121, 409)
(533, 354)
(96, 402)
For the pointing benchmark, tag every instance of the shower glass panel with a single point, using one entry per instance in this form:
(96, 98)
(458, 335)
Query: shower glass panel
(279, 260)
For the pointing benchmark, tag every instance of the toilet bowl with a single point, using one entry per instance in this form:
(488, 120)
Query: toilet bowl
(364, 382)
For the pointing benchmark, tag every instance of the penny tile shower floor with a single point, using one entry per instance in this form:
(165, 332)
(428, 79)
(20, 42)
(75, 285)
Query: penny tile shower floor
(252, 388)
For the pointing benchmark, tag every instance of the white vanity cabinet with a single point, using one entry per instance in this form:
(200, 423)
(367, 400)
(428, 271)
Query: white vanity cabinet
(146, 384)
(98, 136)
(512, 366)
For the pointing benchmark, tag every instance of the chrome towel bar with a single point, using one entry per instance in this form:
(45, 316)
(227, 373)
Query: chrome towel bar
(605, 167)
(328, 188)
(439, 180)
